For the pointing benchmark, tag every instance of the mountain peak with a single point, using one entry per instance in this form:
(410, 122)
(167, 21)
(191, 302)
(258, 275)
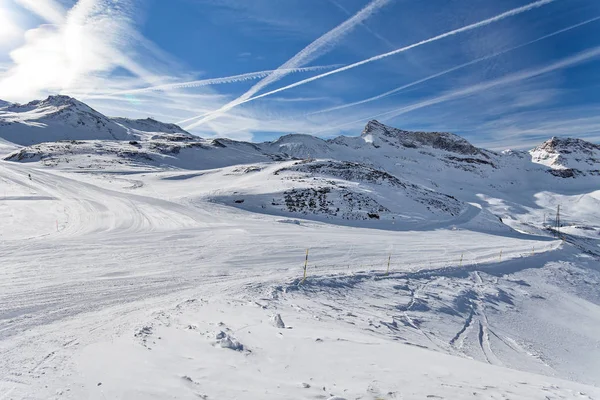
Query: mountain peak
(59, 101)
(57, 118)
(556, 144)
(375, 127)
(376, 132)
(567, 153)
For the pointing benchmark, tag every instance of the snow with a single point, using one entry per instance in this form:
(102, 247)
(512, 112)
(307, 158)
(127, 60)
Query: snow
(173, 267)
(56, 118)
(568, 153)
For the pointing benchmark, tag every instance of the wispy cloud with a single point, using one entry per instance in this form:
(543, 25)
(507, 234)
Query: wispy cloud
(453, 69)
(218, 81)
(311, 52)
(529, 129)
(485, 22)
(82, 43)
(364, 25)
(49, 10)
(9, 30)
(94, 50)
(480, 87)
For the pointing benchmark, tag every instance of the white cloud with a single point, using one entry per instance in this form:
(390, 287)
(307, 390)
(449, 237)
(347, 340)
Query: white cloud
(96, 54)
(49, 10)
(9, 30)
(83, 44)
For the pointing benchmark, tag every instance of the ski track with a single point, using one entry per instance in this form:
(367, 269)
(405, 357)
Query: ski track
(124, 244)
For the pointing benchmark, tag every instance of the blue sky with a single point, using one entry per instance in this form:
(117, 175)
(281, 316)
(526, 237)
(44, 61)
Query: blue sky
(507, 73)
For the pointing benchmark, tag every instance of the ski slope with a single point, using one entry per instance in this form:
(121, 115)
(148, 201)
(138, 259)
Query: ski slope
(154, 250)
(141, 262)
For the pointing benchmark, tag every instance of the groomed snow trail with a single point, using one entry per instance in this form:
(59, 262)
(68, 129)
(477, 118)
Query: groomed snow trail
(111, 258)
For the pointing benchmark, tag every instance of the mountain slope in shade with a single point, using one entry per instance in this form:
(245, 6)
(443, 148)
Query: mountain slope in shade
(149, 128)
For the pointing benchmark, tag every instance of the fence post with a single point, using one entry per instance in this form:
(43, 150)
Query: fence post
(305, 266)
(500, 255)
(461, 258)
(388, 268)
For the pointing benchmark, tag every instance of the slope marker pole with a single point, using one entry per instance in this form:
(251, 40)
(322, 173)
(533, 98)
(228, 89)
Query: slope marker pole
(305, 266)
(388, 268)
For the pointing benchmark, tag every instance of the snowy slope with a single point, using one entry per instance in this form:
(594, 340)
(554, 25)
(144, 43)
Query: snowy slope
(152, 271)
(162, 265)
(338, 192)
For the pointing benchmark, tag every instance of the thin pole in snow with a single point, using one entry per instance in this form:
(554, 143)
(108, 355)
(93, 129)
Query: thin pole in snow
(305, 266)
(388, 268)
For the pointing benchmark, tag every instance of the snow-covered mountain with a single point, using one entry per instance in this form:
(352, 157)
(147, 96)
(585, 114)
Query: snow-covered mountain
(149, 128)
(140, 261)
(394, 150)
(57, 118)
(379, 134)
(430, 177)
(568, 157)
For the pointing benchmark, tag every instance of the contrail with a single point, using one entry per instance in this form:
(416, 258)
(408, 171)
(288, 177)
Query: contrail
(567, 62)
(371, 31)
(317, 48)
(499, 17)
(437, 75)
(219, 81)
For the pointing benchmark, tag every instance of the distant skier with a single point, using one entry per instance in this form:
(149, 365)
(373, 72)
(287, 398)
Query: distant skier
(29, 176)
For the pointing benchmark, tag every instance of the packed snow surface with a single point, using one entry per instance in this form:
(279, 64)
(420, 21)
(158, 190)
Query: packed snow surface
(141, 262)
